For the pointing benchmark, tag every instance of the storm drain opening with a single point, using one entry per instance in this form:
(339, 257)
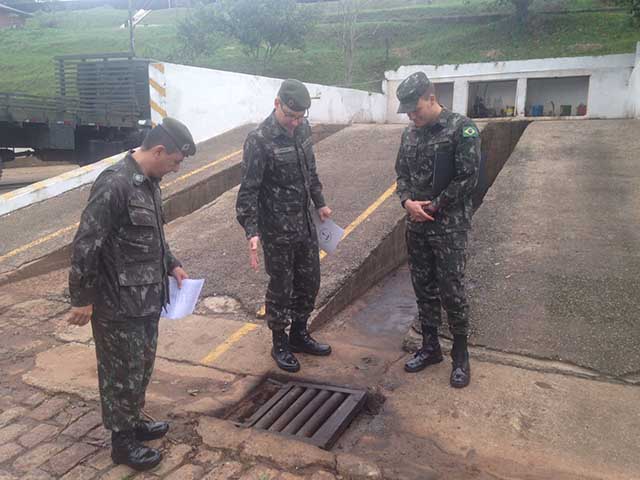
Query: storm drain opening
(316, 414)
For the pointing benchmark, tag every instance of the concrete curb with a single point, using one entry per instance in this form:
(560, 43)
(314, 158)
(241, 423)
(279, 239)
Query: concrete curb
(54, 186)
(288, 454)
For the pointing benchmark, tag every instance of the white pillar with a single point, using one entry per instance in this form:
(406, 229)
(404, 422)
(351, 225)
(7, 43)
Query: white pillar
(460, 96)
(521, 96)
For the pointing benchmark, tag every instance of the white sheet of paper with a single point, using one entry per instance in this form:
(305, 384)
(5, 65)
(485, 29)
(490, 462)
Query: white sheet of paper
(329, 234)
(182, 301)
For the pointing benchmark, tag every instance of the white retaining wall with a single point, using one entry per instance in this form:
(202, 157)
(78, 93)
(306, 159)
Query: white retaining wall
(613, 87)
(211, 102)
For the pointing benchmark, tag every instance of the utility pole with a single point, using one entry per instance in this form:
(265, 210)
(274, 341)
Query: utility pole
(131, 40)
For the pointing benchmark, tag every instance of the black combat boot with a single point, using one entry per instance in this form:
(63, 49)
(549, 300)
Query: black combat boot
(460, 370)
(302, 342)
(125, 449)
(281, 352)
(429, 354)
(151, 430)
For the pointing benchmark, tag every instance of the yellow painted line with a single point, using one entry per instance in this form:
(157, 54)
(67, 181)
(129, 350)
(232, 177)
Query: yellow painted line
(158, 108)
(158, 66)
(350, 228)
(201, 169)
(159, 88)
(226, 345)
(364, 215)
(37, 242)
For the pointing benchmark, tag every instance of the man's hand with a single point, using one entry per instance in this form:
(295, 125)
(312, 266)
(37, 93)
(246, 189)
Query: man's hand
(415, 208)
(179, 274)
(80, 315)
(253, 252)
(324, 213)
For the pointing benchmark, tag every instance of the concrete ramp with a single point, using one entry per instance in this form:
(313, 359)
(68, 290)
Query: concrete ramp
(554, 267)
(356, 166)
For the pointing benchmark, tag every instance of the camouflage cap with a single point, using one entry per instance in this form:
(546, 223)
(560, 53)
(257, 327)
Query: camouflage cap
(180, 134)
(294, 95)
(410, 91)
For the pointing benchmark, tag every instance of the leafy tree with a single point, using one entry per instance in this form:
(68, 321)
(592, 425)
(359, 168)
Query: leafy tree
(634, 9)
(522, 9)
(199, 33)
(263, 27)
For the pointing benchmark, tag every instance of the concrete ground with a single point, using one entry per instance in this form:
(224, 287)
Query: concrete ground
(554, 270)
(511, 422)
(18, 177)
(525, 415)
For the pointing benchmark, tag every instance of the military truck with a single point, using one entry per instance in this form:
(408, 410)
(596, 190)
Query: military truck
(100, 108)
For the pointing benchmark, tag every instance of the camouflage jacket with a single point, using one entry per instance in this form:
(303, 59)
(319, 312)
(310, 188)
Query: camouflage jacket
(440, 163)
(120, 258)
(279, 181)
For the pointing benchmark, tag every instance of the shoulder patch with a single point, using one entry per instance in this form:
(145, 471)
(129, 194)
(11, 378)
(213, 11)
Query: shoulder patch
(470, 131)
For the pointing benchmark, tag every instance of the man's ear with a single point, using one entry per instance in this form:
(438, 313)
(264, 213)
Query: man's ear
(432, 99)
(276, 103)
(158, 150)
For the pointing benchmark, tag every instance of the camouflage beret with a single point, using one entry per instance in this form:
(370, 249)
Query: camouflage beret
(180, 134)
(294, 95)
(410, 91)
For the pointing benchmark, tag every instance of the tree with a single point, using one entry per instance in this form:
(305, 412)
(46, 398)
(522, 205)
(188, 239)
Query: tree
(634, 8)
(199, 32)
(350, 34)
(263, 27)
(522, 9)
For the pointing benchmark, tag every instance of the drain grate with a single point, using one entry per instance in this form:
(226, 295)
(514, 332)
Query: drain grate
(317, 414)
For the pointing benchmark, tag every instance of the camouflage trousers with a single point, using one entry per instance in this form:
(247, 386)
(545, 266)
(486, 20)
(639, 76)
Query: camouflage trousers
(126, 351)
(437, 265)
(294, 281)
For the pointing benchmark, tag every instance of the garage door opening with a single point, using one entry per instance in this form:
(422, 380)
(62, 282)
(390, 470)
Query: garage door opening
(553, 97)
(492, 99)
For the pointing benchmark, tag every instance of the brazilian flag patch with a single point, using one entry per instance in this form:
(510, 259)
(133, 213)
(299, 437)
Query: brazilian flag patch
(469, 132)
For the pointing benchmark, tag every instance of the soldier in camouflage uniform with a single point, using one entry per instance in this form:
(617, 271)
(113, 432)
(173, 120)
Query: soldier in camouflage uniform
(437, 169)
(279, 182)
(119, 281)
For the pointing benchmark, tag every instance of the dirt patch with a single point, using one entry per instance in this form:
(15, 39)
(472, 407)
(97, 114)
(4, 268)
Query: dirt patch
(586, 47)
(401, 52)
(492, 54)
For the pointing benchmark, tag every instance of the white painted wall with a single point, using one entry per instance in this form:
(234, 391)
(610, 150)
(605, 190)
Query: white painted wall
(609, 92)
(444, 94)
(634, 88)
(211, 102)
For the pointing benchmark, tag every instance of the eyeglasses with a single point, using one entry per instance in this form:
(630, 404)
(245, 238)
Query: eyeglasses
(292, 115)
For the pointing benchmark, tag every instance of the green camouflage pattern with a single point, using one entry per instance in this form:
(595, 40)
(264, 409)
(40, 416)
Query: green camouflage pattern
(426, 149)
(126, 354)
(410, 90)
(120, 258)
(279, 181)
(294, 281)
(437, 249)
(437, 264)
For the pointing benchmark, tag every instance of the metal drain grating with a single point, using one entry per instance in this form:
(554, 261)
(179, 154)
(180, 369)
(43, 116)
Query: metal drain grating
(317, 414)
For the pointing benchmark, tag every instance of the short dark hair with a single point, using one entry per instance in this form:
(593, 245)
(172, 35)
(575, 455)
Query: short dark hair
(159, 136)
(430, 90)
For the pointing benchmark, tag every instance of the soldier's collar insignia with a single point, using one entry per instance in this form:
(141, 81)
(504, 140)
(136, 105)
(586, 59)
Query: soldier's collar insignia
(138, 179)
(469, 132)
